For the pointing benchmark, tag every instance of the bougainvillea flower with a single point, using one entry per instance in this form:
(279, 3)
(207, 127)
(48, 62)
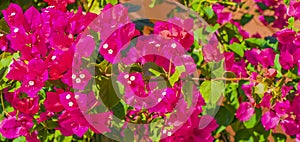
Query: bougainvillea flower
(81, 79)
(68, 125)
(281, 108)
(25, 105)
(270, 120)
(223, 17)
(13, 127)
(286, 60)
(245, 111)
(52, 102)
(211, 52)
(285, 90)
(293, 9)
(290, 126)
(285, 36)
(266, 100)
(60, 4)
(14, 16)
(68, 100)
(252, 56)
(266, 57)
(172, 29)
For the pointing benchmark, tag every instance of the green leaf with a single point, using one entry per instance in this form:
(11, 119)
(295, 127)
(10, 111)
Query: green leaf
(175, 76)
(51, 124)
(253, 42)
(150, 69)
(254, 119)
(238, 49)
(244, 135)
(224, 117)
(119, 111)
(213, 29)
(269, 19)
(209, 11)
(113, 2)
(209, 93)
(107, 92)
(260, 89)
(245, 19)
(94, 6)
(279, 137)
(20, 139)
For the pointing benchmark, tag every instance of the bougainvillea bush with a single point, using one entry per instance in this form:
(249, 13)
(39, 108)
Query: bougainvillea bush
(94, 70)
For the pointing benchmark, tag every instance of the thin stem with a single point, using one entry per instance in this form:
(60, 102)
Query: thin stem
(2, 104)
(91, 6)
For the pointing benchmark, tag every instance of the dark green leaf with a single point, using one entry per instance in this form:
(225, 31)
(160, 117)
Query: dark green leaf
(279, 137)
(224, 117)
(107, 92)
(245, 19)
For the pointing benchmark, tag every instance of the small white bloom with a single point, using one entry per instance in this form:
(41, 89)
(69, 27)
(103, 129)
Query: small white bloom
(169, 134)
(13, 14)
(70, 104)
(16, 30)
(132, 78)
(68, 96)
(53, 57)
(157, 45)
(82, 76)
(78, 80)
(105, 46)
(110, 51)
(164, 93)
(31, 83)
(73, 76)
(76, 96)
(159, 99)
(126, 76)
(173, 45)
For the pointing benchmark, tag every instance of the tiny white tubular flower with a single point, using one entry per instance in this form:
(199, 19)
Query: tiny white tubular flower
(105, 46)
(70, 104)
(78, 80)
(82, 76)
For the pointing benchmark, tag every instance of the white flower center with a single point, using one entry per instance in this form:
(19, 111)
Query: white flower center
(173, 45)
(110, 51)
(159, 99)
(157, 45)
(105, 46)
(70, 104)
(73, 76)
(76, 96)
(132, 78)
(16, 30)
(78, 80)
(164, 93)
(126, 76)
(169, 134)
(82, 76)
(13, 14)
(53, 57)
(68, 96)
(31, 83)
